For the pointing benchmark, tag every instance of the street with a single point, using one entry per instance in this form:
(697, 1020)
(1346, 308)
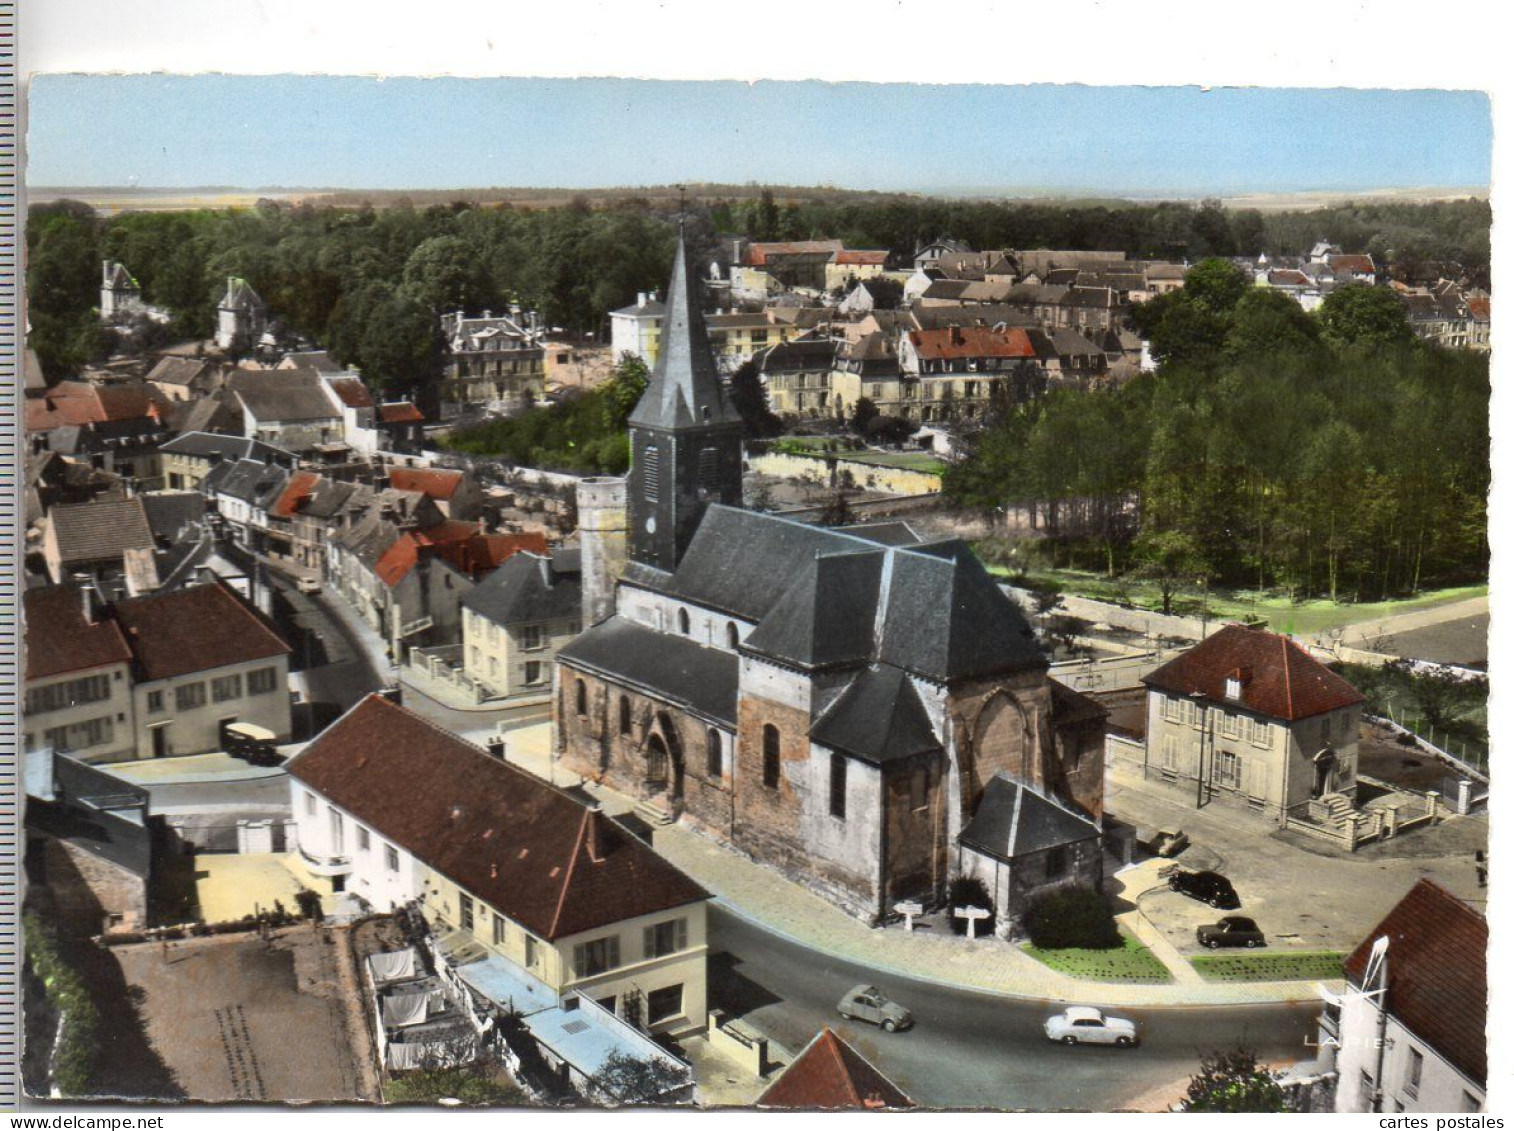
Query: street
(976, 1050)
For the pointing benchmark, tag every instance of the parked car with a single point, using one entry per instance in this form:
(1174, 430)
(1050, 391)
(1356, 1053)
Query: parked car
(1208, 887)
(1232, 930)
(1084, 1025)
(867, 1003)
(308, 585)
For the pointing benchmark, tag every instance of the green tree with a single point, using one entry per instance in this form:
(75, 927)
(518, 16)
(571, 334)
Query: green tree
(750, 397)
(1359, 315)
(864, 412)
(1173, 560)
(444, 273)
(1180, 330)
(1265, 322)
(1233, 1080)
(475, 1084)
(623, 390)
(1215, 285)
(625, 1079)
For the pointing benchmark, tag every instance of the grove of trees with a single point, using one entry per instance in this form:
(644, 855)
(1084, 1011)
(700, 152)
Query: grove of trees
(1328, 455)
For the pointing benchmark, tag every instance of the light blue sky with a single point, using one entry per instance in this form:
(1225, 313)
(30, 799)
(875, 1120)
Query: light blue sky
(294, 131)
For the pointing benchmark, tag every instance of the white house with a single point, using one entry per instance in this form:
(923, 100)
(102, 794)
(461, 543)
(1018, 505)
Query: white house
(1409, 1033)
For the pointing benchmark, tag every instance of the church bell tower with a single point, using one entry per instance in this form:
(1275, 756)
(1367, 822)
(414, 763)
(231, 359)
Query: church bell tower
(685, 433)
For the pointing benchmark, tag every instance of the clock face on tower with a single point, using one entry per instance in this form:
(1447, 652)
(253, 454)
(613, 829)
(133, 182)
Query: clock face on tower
(651, 524)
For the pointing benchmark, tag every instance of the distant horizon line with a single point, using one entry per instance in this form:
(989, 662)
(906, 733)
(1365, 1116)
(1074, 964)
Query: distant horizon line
(1018, 192)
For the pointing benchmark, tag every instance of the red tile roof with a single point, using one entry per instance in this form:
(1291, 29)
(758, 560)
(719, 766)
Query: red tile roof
(301, 486)
(1279, 679)
(525, 848)
(971, 341)
(400, 412)
(1357, 264)
(1480, 308)
(432, 482)
(861, 258)
(194, 630)
(351, 392)
(1437, 964)
(80, 402)
(460, 543)
(830, 1074)
(59, 639)
(757, 254)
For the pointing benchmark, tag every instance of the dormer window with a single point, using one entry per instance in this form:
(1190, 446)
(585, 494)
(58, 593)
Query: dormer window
(1233, 688)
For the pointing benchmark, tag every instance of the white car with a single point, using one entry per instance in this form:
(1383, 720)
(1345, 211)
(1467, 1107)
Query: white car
(308, 585)
(1083, 1025)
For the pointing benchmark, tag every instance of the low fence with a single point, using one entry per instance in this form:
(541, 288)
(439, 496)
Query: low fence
(830, 468)
(445, 665)
(1113, 673)
(1154, 626)
(739, 1044)
(1476, 772)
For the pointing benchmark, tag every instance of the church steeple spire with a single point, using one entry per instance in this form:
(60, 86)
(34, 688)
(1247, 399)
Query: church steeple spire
(685, 389)
(685, 432)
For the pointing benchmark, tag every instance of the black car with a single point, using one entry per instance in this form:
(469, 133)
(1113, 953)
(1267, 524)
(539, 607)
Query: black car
(1232, 930)
(1208, 887)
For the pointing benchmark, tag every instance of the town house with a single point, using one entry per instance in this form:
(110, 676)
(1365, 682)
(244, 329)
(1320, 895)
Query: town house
(548, 895)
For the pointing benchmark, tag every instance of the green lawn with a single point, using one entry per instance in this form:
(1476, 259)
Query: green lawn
(1131, 962)
(912, 461)
(1300, 966)
(1281, 614)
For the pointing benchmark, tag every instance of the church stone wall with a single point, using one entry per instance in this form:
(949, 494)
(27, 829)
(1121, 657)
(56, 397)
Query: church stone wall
(1002, 723)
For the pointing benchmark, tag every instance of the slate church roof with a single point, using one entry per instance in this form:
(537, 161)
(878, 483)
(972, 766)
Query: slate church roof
(1014, 820)
(685, 390)
(673, 668)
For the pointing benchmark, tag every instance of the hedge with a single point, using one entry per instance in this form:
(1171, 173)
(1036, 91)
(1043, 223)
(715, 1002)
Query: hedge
(74, 1055)
(1072, 917)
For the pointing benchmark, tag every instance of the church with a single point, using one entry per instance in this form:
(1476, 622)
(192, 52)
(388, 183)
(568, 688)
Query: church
(831, 702)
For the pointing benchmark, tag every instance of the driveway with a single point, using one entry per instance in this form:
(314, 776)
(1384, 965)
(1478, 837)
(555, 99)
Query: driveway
(1304, 895)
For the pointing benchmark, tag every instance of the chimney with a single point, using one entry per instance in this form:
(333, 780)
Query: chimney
(89, 597)
(641, 298)
(596, 849)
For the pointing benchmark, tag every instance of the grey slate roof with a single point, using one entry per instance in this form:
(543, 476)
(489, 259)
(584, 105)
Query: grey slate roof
(672, 668)
(283, 394)
(1014, 820)
(251, 481)
(100, 530)
(685, 390)
(214, 445)
(168, 513)
(943, 616)
(327, 497)
(527, 588)
(879, 718)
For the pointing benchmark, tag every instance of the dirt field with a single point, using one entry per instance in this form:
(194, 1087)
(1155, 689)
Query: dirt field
(248, 1019)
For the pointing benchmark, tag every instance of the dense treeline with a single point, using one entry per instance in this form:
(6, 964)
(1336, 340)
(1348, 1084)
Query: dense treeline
(1328, 455)
(367, 283)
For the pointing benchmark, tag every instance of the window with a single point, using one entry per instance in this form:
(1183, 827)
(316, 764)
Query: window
(1324, 730)
(1469, 1102)
(709, 469)
(596, 957)
(1169, 753)
(338, 832)
(78, 736)
(625, 715)
(310, 805)
(1261, 733)
(683, 621)
(838, 786)
(919, 789)
(1415, 1073)
(664, 1003)
(188, 696)
(714, 764)
(665, 938)
(497, 924)
(532, 637)
(225, 687)
(1230, 725)
(732, 635)
(1365, 1091)
(535, 671)
(580, 697)
(465, 911)
(1056, 862)
(475, 657)
(770, 755)
(391, 858)
(533, 954)
(1227, 769)
(651, 472)
(493, 666)
(262, 681)
(1171, 710)
(154, 702)
(364, 839)
(71, 693)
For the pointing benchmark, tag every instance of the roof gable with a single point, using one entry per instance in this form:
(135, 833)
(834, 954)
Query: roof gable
(59, 638)
(878, 718)
(194, 630)
(830, 1074)
(1014, 820)
(1279, 679)
(1437, 964)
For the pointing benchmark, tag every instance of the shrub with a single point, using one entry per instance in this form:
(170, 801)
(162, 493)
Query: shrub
(74, 1056)
(1073, 917)
(969, 891)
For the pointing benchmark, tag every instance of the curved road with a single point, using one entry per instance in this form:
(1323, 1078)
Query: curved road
(970, 1049)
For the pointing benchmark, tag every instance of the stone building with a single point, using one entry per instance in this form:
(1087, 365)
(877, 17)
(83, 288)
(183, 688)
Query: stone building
(241, 317)
(496, 362)
(834, 703)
